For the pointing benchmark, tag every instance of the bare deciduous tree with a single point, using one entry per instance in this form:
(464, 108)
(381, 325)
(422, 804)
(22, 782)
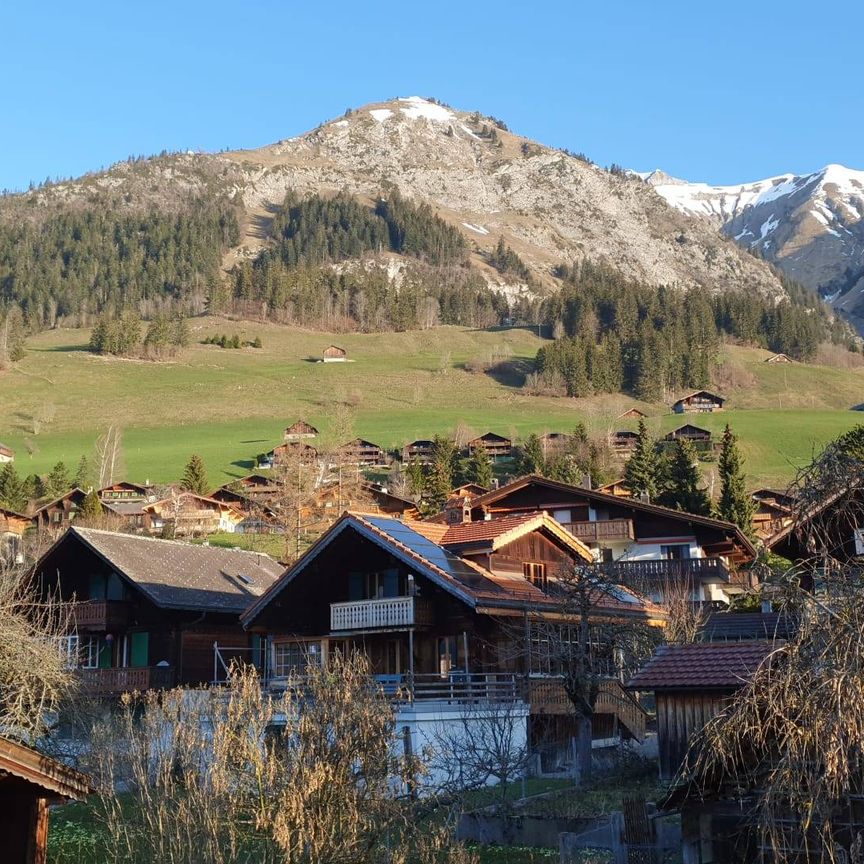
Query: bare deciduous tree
(109, 455)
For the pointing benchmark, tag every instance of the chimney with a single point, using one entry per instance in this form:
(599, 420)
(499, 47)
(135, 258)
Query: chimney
(458, 509)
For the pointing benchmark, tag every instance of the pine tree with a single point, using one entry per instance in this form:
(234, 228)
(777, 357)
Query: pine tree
(84, 475)
(58, 480)
(735, 505)
(531, 458)
(642, 472)
(415, 477)
(195, 476)
(12, 494)
(479, 468)
(682, 491)
(91, 506)
(439, 483)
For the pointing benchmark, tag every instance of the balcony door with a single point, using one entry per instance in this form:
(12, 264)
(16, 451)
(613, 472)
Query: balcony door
(139, 649)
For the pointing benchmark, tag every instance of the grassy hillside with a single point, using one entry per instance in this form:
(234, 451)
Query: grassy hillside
(229, 405)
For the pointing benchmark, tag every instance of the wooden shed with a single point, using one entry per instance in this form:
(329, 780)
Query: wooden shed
(632, 414)
(700, 401)
(334, 354)
(779, 358)
(29, 783)
(496, 446)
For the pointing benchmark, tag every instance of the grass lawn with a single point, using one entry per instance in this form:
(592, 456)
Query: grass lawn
(230, 405)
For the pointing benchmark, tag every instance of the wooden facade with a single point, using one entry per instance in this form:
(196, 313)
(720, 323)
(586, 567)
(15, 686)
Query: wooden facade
(299, 430)
(59, 514)
(363, 453)
(12, 528)
(701, 401)
(131, 631)
(689, 432)
(422, 451)
(189, 515)
(496, 446)
(623, 441)
(334, 354)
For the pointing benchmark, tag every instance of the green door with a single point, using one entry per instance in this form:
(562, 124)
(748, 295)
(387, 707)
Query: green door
(140, 649)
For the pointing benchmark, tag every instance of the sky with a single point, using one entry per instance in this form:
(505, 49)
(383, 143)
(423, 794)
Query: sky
(722, 92)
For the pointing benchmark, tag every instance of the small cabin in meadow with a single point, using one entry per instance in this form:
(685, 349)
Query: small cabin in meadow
(496, 446)
(7, 454)
(422, 450)
(700, 401)
(632, 414)
(334, 354)
(30, 783)
(779, 358)
(691, 433)
(300, 430)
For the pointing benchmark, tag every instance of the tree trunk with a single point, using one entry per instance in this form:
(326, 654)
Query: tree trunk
(583, 750)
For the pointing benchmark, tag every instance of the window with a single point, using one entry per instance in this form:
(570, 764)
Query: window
(858, 537)
(292, 658)
(67, 647)
(535, 573)
(89, 652)
(675, 552)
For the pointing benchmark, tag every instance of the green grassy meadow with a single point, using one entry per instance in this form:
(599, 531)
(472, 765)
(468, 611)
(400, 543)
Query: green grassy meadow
(229, 405)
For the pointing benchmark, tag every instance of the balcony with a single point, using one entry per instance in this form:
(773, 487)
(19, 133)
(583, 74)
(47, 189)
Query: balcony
(455, 687)
(656, 572)
(113, 682)
(386, 614)
(101, 615)
(602, 531)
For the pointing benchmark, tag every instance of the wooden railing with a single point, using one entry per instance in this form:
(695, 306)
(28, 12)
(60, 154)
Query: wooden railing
(657, 571)
(605, 529)
(110, 682)
(103, 615)
(454, 687)
(382, 614)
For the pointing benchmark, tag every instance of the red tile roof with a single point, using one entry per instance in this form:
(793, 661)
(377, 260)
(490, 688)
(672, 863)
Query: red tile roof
(469, 532)
(703, 666)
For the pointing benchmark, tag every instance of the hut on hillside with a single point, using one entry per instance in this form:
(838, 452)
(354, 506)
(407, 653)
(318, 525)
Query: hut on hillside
(700, 401)
(300, 429)
(334, 354)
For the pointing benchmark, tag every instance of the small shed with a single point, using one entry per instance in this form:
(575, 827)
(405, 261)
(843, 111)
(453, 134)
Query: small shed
(334, 354)
(7, 454)
(632, 414)
(689, 432)
(618, 488)
(422, 450)
(299, 430)
(700, 401)
(779, 358)
(29, 784)
(496, 446)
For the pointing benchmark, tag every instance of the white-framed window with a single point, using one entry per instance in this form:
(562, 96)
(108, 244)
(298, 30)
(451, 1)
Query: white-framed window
(67, 647)
(88, 652)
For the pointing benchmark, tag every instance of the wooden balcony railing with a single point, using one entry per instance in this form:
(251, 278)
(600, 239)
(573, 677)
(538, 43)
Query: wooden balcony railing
(656, 572)
(455, 687)
(382, 614)
(112, 682)
(101, 615)
(602, 530)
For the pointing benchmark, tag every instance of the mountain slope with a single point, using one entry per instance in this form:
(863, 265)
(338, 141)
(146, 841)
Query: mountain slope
(811, 226)
(549, 206)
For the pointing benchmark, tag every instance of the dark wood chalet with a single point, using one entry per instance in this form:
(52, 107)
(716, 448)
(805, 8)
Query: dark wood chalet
(773, 512)
(623, 441)
(496, 446)
(12, 528)
(650, 547)
(30, 783)
(435, 608)
(422, 450)
(554, 444)
(189, 515)
(689, 432)
(147, 612)
(288, 453)
(124, 491)
(700, 401)
(57, 515)
(299, 430)
(632, 414)
(254, 494)
(363, 453)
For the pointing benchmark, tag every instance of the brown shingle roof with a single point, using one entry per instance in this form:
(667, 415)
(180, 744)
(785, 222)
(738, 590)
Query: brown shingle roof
(177, 575)
(703, 666)
(57, 780)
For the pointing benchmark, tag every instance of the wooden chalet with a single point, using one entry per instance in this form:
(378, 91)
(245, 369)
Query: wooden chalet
(57, 515)
(435, 608)
(363, 453)
(334, 354)
(30, 783)
(469, 490)
(496, 446)
(554, 444)
(623, 441)
(618, 488)
(147, 612)
(287, 453)
(389, 503)
(648, 546)
(700, 401)
(691, 433)
(189, 515)
(422, 451)
(124, 491)
(7, 454)
(255, 496)
(773, 512)
(299, 430)
(12, 528)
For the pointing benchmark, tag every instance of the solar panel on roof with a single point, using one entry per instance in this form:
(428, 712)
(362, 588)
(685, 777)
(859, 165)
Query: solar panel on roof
(426, 548)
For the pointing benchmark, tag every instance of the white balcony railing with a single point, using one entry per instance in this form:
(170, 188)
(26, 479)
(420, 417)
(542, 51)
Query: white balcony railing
(372, 614)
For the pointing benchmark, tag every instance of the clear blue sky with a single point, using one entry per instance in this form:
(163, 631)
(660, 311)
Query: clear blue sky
(708, 90)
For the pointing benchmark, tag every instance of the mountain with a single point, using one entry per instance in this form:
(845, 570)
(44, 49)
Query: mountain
(549, 206)
(811, 226)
